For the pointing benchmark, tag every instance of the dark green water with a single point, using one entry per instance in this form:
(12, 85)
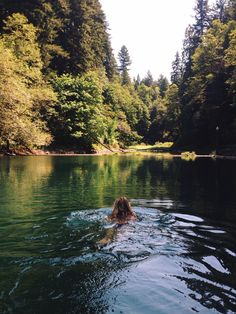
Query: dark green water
(179, 257)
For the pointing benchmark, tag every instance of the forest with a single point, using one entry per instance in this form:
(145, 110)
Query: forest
(61, 86)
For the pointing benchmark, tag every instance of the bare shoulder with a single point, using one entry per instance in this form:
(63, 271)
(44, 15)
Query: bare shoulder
(132, 217)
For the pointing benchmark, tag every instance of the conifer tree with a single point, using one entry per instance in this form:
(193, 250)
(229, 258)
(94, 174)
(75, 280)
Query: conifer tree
(202, 18)
(163, 84)
(86, 38)
(148, 80)
(125, 62)
(49, 25)
(231, 10)
(193, 35)
(137, 81)
(176, 73)
(219, 10)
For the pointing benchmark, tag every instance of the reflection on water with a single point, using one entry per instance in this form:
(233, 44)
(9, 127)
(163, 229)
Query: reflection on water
(179, 256)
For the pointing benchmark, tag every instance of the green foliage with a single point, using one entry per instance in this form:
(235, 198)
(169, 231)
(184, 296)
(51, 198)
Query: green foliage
(202, 17)
(49, 25)
(172, 119)
(208, 56)
(219, 10)
(148, 94)
(176, 74)
(125, 62)
(86, 38)
(128, 109)
(207, 91)
(72, 35)
(148, 79)
(66, 42)
(188, 156)
(20, 125)
(78, 111)
(162, 84)
(20, 37)
(230, 60)
(24, 94)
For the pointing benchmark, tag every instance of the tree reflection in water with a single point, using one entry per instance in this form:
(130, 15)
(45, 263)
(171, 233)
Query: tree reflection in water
(183, 246)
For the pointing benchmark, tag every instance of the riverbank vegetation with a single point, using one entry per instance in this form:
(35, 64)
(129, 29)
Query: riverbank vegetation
(61, 85)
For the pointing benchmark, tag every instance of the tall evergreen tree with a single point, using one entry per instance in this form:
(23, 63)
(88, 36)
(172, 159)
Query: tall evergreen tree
(193, 35)
(187, 52)
(49, 24)
(125, 62)
(202, 18)
(86, 38)
(163, 84)
(231, 10)
(219, 10)
(148, 79)
(176, 73)
(137, 81)
(109, 61)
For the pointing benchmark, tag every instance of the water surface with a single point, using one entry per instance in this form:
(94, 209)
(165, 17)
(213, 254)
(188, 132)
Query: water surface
(179, 256)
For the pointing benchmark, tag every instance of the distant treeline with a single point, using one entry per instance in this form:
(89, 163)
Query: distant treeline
(60, 83)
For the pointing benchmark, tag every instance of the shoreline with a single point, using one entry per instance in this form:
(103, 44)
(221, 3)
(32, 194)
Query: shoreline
(35, 153)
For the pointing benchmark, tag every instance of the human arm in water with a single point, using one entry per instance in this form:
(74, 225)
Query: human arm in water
(111, 232)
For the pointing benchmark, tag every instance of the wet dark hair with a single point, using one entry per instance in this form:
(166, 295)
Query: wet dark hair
(121, 208)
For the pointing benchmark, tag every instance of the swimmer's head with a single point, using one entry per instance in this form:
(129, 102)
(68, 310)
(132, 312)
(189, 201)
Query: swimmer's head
(121, 208)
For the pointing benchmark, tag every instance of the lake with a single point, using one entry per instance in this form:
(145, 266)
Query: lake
(178, 257)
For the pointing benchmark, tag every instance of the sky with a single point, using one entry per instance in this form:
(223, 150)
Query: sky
(152, 30)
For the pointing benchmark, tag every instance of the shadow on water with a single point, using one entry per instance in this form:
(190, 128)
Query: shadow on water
(179, 256)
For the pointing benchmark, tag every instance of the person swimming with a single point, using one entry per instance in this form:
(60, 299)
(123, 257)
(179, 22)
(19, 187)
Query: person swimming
(122, 211)
(121, 214)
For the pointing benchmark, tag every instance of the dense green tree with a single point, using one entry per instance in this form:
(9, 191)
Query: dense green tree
(163, 84)
(79, 112)
(230, 60)
(72, 34)
(20, 37)
(210, 100)
(189, 47)
(176, 74)
(24, 95)
(192, 39)
(202, 18)
(132, 114)
(172, 118)
(49, 25)
(45, 15)
(148, 79)
(110, 61)
(148, 94)
(157, 127)
(231, 10)
(137, 81)
(219, 10)
(86, 38)
(125, 62)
